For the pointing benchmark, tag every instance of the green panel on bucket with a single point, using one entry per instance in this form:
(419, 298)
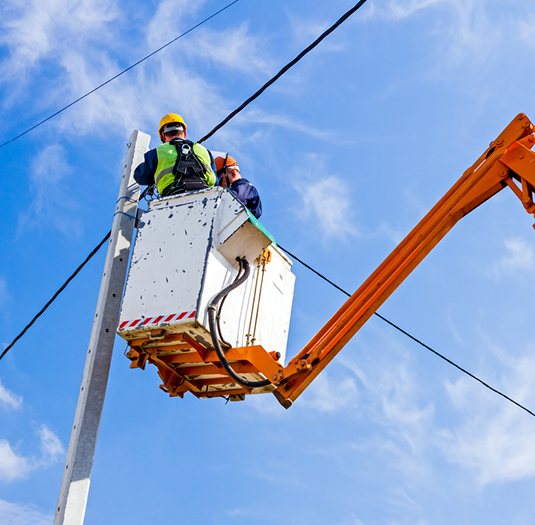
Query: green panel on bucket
(255, 222)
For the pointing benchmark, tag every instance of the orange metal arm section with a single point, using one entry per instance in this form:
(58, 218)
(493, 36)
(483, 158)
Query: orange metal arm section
(508, 160)
(184, 365)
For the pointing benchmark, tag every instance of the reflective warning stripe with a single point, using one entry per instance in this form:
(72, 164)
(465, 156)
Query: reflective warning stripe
(140, 323)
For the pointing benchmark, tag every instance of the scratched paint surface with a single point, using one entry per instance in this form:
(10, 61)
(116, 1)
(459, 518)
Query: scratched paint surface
(184, 255)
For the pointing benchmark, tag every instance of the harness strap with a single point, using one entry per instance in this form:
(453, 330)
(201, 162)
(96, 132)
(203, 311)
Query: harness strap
(186, 158)
(188, 170)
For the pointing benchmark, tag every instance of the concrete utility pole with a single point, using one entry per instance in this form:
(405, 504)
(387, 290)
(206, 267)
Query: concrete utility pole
(76, 476)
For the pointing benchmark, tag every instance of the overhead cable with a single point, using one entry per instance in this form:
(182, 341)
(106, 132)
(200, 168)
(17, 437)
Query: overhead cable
(73, 275)
(95, 250)
(286, 68)
(257, 94)
(119, 74)
(412, 337)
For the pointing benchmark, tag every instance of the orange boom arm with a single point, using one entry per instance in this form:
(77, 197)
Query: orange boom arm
(508, 162)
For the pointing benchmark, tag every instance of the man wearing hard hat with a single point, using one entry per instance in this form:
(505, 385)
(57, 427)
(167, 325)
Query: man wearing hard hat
(228, 173)
(178, 165)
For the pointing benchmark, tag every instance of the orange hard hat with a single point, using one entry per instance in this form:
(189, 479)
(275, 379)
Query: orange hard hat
(225, 161)
(171, 118)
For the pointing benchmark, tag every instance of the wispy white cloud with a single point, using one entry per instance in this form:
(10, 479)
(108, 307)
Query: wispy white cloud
(323, 395)
(409, 7)
(257, 116)
(526, 31)
(400, 498)
(71, 36)
(17, 466)
(167, 21)
(326, 199)
(5, 296)
(52, 449)
(465, 33)
(389, 396)
(36, 29)
(15, 514)
(306, 29)
(231, 50)
(328, 395)
(394, 398)
(520, 256)
(256, 513)
(12, 465)
(51, 204)
(329, 209)
(394, 233)
(495, 441)
(9, 399)
(491, 440)
(139, 98)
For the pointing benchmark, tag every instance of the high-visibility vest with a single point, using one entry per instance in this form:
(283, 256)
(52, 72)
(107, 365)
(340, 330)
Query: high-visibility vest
(167, 156)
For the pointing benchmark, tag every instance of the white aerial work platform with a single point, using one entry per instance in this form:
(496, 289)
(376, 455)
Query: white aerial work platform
(185, 253)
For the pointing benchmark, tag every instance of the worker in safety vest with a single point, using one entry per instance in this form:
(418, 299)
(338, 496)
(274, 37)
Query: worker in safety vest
(178, 165)
(229, 176)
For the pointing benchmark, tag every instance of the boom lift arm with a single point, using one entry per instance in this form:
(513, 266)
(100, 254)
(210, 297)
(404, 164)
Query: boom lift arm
(508, 162)
(186, 364)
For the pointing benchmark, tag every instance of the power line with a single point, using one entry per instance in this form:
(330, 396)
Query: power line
(42, 311)
(214, 130)
(256, 95)
(118, 74)
(285, 68)
(412, 337)
(107, 236)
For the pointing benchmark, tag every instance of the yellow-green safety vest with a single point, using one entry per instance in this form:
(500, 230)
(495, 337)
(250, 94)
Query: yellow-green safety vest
(167, 155)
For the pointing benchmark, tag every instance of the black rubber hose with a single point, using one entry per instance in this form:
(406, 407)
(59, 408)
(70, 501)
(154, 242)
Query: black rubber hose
(212, 310)
(226, 344)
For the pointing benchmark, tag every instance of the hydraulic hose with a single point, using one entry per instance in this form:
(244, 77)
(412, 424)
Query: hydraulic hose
(212, 311)
(225, 343)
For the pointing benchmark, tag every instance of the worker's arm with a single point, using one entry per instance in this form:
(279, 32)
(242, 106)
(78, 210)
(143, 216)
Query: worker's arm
(144, 174)
(247, 194)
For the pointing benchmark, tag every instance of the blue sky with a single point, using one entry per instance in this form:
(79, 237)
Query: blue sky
(348, 150)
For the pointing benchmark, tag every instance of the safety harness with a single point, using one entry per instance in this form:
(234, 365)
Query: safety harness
(188, 170)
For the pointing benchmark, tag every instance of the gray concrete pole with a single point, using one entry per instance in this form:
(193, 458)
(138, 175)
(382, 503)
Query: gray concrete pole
(74, 489)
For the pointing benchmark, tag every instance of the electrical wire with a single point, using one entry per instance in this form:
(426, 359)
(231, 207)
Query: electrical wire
(342, 19)
(73, 275)
(411, 336)
(119, 74)
(220, 125)
(415, 339)
(208, 135)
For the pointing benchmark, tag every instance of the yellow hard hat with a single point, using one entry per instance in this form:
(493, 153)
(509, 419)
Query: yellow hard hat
(169, 119)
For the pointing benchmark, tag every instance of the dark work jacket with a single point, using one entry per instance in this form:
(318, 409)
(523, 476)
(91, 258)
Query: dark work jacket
(144, 173)
(247, 194)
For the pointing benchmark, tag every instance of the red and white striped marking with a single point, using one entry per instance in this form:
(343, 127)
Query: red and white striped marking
(151, 321)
